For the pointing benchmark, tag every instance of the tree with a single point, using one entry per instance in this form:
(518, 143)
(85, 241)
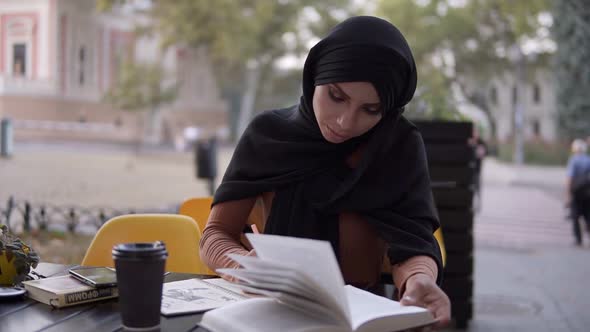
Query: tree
(464, 43)
(243, 38)
(140, 87)
(572, 68)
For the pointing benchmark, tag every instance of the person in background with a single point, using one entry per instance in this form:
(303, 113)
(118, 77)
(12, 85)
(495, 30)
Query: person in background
(578, 188)
(344, 166)
(480, 149)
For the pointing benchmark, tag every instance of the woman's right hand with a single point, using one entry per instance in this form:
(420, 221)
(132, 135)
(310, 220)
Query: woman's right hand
(235, 265)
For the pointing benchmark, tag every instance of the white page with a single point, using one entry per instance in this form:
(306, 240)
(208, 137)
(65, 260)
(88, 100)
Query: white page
(264, 315)
(277, 273)
(365, 306)
(314, 258)
(265, 281)
(285, 271)
(194, 295)
(253, 263)
(301, 304)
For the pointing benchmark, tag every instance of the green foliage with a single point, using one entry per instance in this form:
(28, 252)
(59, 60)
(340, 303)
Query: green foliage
(24, 257)
(139, 87)
(235, 31)
(469, 42)
(571, 31)
(281, 89)
(241, 33)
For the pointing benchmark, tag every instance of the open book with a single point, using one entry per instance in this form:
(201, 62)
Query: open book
(304, 291)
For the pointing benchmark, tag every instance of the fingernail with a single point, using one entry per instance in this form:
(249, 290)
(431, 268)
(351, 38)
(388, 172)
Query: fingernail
(408, 298)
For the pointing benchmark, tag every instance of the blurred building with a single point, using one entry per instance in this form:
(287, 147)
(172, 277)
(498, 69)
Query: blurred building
(539, 105)
(59, 57)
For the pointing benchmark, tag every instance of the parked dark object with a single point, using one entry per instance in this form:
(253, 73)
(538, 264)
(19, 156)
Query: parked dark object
(6, 138)
(451, 161)
(206, 161)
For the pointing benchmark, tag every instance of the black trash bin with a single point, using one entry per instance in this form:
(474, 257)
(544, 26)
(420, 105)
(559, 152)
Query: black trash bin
(206, 161)
(6, 137)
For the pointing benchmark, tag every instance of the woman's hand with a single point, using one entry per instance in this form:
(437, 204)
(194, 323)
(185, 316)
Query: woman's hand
(422, 291)
(235, 265)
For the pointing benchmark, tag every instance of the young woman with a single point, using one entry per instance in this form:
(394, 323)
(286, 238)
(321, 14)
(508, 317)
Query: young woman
(343, 166)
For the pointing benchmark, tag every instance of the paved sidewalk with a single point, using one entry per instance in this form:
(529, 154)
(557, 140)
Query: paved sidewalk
(551, 178)
(89, 176)
(536, 290)
(528, 276)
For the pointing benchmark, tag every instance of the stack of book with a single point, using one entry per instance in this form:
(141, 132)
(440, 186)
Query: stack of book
(64, 291)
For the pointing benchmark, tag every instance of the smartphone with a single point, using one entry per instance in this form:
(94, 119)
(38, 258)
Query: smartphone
(95, 276)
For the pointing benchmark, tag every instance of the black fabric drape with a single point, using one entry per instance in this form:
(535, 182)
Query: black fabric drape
(283, 151)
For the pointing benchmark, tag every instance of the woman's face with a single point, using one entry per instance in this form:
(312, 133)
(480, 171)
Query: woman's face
(346, 110)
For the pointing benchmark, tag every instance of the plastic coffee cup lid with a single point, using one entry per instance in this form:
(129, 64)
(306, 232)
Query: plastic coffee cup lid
(139, 249)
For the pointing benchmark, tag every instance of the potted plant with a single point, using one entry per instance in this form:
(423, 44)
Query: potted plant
(16, 258)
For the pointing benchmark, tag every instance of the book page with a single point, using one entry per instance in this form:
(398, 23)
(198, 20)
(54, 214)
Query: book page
(299, 303)
(314, 258)
(194, 295)
(254, 262)
(282, 273)
(256, 269)
(265, 315)
(264, 281)
(371, 312)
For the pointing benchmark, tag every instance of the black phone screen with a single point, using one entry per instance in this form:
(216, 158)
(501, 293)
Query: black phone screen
(96, 276)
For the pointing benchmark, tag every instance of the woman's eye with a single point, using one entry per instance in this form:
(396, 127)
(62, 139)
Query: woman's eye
(372, 111)
(334, 96)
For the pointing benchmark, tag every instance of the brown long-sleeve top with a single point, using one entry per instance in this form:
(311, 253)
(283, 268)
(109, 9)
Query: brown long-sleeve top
(361, 249)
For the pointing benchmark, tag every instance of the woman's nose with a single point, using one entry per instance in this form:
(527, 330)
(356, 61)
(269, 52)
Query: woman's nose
(346, 120)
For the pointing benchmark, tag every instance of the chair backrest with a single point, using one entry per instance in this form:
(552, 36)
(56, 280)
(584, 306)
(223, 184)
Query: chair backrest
(197, 208)
(441, 243)
(180, 234)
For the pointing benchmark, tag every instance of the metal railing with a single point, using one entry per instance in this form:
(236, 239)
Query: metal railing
(27, 216)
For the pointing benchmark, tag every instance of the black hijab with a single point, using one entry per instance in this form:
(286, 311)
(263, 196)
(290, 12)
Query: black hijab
(283, 151)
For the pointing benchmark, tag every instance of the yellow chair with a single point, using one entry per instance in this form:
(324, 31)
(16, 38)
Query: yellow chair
(441, 243)
(180, 233)
(197, 208)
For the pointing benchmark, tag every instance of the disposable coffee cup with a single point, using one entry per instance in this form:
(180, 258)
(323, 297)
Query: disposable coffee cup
(140, 276)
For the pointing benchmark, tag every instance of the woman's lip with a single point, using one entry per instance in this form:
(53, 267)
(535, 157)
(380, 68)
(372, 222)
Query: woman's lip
(336, 133)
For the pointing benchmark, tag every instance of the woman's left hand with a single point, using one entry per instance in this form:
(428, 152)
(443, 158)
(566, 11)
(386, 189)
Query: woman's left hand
(422, 291)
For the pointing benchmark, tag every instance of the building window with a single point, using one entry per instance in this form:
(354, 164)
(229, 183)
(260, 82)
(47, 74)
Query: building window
(514, 95)
(81, 62)
(494, 95)
(536, 93)
(536, 128)
(19, 59)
